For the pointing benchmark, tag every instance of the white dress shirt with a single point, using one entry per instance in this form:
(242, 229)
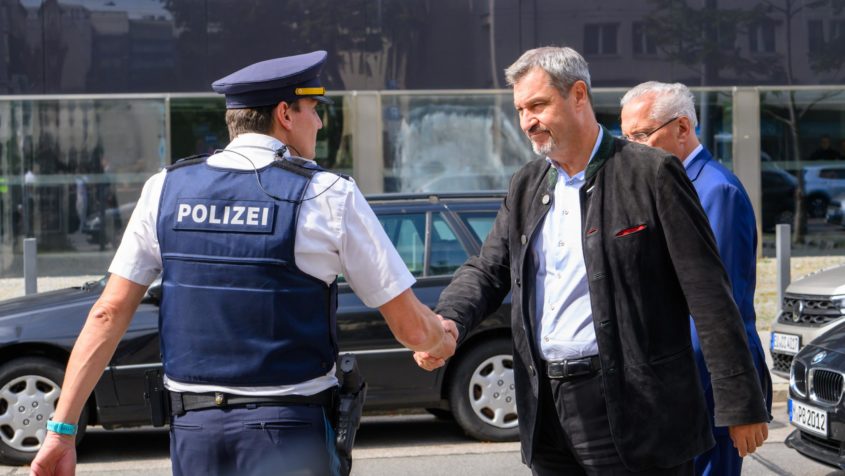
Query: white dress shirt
(337, 233)
(565, 319)
(692, 154)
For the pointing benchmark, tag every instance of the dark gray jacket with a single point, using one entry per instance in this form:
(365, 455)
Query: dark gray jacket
(643, 286)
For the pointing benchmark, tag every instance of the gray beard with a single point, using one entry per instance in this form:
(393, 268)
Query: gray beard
(545, 149)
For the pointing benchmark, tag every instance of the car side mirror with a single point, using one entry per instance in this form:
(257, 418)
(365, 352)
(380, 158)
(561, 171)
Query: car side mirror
(154, 292)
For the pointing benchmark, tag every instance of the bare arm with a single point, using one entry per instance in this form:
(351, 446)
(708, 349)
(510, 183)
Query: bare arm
(416, 326)
(107, 322)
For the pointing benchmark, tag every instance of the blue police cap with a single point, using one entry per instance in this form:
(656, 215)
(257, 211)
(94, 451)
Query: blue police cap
(269, 82)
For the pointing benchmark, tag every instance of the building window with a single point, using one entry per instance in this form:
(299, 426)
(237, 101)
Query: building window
(644, 43)
(600, 38)
(761, 37)
(815, 35)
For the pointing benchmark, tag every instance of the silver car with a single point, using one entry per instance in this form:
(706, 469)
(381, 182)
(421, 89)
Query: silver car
(811, 306)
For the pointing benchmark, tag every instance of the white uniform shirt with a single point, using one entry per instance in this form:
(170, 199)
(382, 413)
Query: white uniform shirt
(337, 233)
(565, 325)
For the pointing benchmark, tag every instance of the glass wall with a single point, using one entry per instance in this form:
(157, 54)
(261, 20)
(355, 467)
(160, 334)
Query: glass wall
(72, 170)
(802, 136)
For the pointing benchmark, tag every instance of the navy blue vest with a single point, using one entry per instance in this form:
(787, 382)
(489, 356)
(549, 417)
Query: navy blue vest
(235, 309)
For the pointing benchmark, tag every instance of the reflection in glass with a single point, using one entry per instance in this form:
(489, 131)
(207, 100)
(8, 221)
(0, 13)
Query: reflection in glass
(440, 143)
(73, 170)
(803, 143)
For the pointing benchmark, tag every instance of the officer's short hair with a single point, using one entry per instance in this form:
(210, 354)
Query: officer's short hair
(256, 119)
(563, 65)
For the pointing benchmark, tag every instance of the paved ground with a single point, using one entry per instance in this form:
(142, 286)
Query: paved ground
(410, 445)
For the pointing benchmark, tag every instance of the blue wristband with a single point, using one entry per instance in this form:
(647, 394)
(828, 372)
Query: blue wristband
(61, 428)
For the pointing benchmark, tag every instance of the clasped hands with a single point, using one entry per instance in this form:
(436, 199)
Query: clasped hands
(437, 358)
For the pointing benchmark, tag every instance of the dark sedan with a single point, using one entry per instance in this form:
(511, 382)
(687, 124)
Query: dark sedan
(433, 234)
(816, 407)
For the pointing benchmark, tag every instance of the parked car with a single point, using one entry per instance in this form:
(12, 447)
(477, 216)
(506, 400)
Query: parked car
(811, 307)
(836, 211)
(816, 406)
(821, 184)
(433, 234)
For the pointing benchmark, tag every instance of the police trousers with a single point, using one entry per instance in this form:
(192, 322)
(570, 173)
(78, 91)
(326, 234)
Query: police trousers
(294, 440)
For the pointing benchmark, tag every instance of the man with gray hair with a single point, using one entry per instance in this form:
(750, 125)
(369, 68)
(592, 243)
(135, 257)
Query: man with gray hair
(663, 115)
(607, 250)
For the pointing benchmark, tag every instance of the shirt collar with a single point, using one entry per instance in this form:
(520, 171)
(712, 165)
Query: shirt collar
(580, 175)
(692, 154)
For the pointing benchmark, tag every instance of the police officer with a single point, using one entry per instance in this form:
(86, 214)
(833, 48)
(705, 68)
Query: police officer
(249, 242)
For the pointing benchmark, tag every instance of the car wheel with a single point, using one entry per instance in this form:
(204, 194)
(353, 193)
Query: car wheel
(29, 390)
(481, 392)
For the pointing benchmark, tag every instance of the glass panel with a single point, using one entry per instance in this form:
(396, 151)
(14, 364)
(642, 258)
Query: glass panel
(73, 171)
(451, 143)
(407, 233)
(802, 137)
(197, 126)
(447, 253)
(479, 223)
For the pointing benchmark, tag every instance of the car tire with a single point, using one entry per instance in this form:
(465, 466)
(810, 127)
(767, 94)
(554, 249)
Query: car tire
(481, 392)
(29, 391)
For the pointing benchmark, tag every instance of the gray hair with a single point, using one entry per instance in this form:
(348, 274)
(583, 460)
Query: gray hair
(563, 65)
(670, 100)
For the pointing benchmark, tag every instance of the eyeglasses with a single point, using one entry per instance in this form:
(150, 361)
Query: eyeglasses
(643, 136)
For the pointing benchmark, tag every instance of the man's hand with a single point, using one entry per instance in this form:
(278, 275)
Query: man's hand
(747, 438)
(57, 456)
(431, 361)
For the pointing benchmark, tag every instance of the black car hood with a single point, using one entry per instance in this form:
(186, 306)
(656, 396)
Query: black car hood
(24, 307)
(833, 340)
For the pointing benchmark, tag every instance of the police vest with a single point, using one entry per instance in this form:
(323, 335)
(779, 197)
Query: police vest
(235, 309)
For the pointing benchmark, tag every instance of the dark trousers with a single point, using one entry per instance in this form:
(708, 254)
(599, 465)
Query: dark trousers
(268, 440)
(574, 435)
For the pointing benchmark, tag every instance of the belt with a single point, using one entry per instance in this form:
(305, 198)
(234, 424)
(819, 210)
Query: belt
(185, 402)
(563, 369)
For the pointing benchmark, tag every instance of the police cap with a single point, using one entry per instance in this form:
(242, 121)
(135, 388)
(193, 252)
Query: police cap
(269, 82)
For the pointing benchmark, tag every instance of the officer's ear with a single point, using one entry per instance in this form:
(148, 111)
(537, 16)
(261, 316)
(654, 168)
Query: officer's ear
(282, 116)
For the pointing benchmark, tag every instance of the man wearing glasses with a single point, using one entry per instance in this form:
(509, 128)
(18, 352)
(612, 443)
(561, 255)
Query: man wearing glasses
(663, 116)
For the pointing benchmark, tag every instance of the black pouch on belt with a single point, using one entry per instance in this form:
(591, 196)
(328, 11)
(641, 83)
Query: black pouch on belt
(350, 404)
(158, 397)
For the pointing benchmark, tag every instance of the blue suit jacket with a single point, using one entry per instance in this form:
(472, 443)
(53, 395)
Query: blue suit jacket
(732, 219)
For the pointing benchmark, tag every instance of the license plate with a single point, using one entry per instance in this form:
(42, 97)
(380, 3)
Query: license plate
(808, 418)
(786, 343)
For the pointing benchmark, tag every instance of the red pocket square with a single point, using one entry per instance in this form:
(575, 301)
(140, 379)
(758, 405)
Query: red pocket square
(628, 231)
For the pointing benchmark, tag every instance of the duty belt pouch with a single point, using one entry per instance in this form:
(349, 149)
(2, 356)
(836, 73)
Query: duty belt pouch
(158, 398)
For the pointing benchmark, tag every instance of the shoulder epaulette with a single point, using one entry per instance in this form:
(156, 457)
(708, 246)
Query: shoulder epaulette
(192, 160)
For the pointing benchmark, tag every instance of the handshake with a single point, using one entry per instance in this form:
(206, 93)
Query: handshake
(436, 357)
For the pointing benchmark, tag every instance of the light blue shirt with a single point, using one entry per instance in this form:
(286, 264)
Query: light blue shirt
(565, 330)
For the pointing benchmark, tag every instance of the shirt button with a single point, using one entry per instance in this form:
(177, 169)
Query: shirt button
(553, 307)
(560, 243)
(546, 339)
(566, 212)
